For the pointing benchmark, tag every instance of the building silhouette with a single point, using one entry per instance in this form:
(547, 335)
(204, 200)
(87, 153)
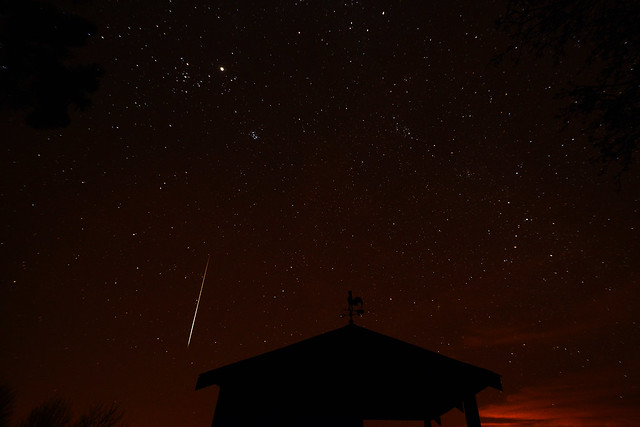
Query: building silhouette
(343, 377)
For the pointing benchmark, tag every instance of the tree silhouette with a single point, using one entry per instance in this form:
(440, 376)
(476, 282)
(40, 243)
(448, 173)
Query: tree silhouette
(54, 413)
(7, 396)
(57, 413)
(101, 416)
(608, 35)
(38, 76)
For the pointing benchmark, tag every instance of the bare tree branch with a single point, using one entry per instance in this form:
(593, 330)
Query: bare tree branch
(609, 36)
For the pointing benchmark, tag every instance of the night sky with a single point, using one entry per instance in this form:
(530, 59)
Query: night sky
(311, 148)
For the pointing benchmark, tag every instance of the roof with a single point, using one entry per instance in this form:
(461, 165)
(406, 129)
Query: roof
(385, 376)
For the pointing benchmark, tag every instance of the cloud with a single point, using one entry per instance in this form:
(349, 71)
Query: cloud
(517, 335)
(577, 400)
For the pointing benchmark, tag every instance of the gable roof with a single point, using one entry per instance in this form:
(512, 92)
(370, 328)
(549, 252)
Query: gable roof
(363, 366)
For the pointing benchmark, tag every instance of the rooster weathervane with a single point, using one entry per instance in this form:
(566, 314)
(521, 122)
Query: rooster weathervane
(351, 310)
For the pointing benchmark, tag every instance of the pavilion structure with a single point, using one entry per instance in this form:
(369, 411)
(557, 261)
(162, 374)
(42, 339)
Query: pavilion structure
(343, 377)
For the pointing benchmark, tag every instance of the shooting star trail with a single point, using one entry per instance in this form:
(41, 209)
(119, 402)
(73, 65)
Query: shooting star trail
(204, 276)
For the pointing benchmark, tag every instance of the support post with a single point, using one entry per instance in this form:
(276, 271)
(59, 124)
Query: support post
(471, 411)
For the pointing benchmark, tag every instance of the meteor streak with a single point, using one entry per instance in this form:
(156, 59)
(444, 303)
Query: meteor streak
(204, 276)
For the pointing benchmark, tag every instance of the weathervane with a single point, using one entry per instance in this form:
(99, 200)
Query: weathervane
(353, 302)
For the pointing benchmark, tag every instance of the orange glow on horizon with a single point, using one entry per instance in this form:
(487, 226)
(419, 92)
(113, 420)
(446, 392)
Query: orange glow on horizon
(573, 401)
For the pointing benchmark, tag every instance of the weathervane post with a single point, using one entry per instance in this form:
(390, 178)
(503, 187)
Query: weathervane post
(353, 302)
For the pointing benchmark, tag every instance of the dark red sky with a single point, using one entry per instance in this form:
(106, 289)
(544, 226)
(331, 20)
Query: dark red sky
(311, 148)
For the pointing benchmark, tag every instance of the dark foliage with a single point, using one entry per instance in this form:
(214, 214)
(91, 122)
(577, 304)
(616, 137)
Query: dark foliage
(57, 413)
(37, 72)
(7, 397)
(54, 413)
(606, 87)
(101, 416)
